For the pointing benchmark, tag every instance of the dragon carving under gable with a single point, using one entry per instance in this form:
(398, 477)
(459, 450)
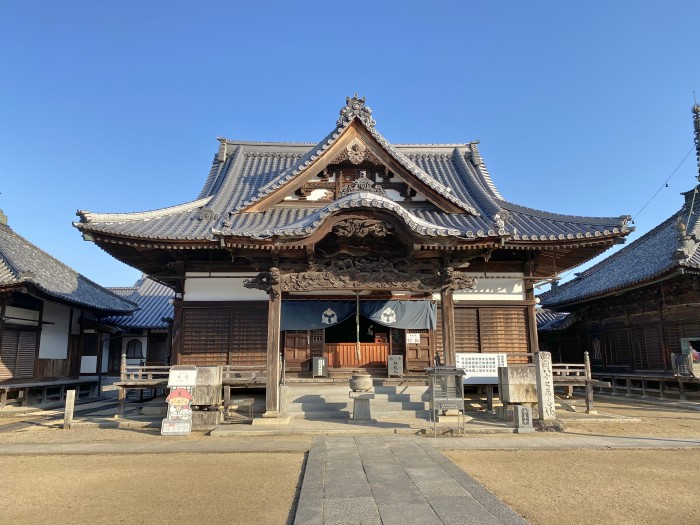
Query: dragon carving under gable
(359, 273)
(362, 228)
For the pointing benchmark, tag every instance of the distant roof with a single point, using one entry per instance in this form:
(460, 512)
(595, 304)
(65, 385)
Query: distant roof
(244, 175)
(550, 321)
(24, 264)
(661, 252)
(155, 305)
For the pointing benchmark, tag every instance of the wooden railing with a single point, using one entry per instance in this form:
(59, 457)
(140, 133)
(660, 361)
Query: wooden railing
(568, 370)
(144, 373)
(244, 375)
(345, 354)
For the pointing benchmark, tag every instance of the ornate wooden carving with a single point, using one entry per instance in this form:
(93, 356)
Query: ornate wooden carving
(266, 281)
(357, 153)
(456, 280)
(363, 183)
(363, 273)
(359, 273)
(362, 228)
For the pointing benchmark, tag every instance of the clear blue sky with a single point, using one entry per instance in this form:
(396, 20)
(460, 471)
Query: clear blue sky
(580, 107)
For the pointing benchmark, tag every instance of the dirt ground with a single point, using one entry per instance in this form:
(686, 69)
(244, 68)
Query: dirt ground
(575, 487)
(655, 420)
(547, 487)
(600, 486)
(150, 488)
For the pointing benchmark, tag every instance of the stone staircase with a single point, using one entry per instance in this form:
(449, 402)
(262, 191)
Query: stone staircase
(331, 400)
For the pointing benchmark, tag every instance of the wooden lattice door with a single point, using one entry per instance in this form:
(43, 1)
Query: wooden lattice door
(297, 350)
(419, 352)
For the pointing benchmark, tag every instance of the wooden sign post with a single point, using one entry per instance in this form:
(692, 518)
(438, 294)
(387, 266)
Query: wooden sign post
(68, 414)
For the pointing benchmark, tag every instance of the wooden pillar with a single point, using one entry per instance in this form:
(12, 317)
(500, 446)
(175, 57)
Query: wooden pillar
(176, 334)
(447, 307)
(531, 318)
(273, 351)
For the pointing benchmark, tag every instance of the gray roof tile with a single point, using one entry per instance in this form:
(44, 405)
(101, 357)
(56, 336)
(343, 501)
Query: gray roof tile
(23, 262)
(656, 253)
(154, 302)
(253, 170)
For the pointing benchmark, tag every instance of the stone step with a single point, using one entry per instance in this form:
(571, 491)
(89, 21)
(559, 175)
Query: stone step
(344, 398)
(375, 407)
(376, 414)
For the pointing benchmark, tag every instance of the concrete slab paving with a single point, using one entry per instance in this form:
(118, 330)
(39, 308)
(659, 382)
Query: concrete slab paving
(397, 480)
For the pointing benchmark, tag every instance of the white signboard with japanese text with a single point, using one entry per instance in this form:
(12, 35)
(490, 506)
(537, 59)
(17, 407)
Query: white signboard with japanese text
(413, 339)
(182, 376)
(480, 369)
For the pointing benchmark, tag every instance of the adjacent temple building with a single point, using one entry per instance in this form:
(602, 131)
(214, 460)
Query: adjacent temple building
(634, 311)
(352, 249)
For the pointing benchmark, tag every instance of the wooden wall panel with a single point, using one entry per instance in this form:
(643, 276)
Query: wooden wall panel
(51, 368)
(504, 330)
(233, 334)
(489, 329)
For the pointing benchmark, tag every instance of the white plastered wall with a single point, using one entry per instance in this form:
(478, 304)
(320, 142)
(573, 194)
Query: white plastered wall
(202, 286)
(492, 287)
(53, 343)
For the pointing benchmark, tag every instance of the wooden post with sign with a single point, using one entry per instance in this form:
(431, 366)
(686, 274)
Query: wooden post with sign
(68, 413)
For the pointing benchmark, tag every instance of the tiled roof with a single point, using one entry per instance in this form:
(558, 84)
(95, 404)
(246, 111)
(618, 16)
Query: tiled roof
(655, 254)
(154, 302)
(550, 321)
(243, 173)
(21, 262)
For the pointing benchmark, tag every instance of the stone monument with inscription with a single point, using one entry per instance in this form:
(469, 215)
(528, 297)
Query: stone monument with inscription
(547, 417)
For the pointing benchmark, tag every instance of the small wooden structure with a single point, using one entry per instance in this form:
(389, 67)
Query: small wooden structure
(138, 377)
(51, 389)
(570, 375)
(51, 329)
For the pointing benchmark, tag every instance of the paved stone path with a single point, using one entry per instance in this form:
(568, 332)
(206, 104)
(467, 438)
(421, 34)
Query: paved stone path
(367, 480)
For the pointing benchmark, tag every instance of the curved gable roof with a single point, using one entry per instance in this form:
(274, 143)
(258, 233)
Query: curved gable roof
(244, 174)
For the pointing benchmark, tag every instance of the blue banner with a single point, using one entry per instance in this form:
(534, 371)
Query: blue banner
(401, 314)
(312, 315)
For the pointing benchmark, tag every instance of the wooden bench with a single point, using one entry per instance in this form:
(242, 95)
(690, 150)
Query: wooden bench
(231, 405)
(243, 375)
(61, 384)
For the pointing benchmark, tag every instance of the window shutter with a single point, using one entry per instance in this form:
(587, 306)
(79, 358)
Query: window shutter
(17, 354)
(503, 330)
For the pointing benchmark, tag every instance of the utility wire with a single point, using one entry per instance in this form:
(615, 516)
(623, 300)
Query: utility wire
(665, 184)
